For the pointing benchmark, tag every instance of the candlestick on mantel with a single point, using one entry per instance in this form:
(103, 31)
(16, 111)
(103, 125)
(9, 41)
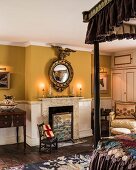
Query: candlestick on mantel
(42, 86)
(80, 89)
(43, 93)
(50, 90)
(72, 92)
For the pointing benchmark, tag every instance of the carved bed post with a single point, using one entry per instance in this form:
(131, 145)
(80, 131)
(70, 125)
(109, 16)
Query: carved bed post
(96, 95)
(104, 19)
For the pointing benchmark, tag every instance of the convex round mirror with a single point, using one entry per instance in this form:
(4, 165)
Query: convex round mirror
(61, 74)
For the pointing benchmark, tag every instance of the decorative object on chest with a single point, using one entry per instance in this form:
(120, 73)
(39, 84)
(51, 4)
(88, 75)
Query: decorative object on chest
(8, 104)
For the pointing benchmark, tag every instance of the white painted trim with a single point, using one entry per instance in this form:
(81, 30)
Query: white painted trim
(27, 102)
(32, 141)
(60, 98)
(104, 98)
(33, 102)
(80, 100)
(11, 140)
(103, 53)
(40, 100)
(123, 52)
(57, 44)
(20, 44)
(85, 133)
(44, 44)
(123, 68)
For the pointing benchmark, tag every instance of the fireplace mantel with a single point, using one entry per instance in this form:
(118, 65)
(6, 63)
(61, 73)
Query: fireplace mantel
(63, 101)
(59, 97)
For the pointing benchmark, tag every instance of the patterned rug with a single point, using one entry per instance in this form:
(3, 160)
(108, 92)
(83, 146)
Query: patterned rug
(68, 143)
(74, 162)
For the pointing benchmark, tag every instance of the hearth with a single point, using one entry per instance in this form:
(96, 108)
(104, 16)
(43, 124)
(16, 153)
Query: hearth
(61, 121)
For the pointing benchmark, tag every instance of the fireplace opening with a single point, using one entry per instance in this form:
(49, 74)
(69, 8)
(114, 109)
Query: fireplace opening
(61, 121)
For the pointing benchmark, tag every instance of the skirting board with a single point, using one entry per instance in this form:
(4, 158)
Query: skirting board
(35, 141)
(85, 133)
(11, 140)
(32, 141)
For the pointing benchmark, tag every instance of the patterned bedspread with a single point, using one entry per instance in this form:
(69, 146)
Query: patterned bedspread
(115, 153)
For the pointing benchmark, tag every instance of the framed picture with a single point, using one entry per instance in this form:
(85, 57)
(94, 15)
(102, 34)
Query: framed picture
(103, 82)
(4, 80)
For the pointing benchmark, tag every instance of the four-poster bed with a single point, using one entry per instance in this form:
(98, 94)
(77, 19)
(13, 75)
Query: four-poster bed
(107, 21)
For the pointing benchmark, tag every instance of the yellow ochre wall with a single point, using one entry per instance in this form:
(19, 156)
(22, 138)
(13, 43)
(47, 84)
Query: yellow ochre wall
(13, 59)
(105, 64)
(29, 67)
(40, 59)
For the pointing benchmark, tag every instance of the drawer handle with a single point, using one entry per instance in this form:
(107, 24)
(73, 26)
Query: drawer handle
(6, 123)
(17, 116)
(17, 121)
(5, 116)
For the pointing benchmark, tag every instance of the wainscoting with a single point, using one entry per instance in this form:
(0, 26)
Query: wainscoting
(36, 114)
(39, 110)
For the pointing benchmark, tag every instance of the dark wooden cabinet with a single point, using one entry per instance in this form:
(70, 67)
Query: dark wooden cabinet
(14, 118)
(5, 121)
(104, 121)
(18, 120)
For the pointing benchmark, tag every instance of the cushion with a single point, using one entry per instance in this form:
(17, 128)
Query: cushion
(124, 123)
(125, 110)
(134, 114)
(119, 131)
(48, 131)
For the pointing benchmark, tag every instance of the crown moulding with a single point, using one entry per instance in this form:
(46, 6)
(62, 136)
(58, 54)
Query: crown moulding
(29, 43)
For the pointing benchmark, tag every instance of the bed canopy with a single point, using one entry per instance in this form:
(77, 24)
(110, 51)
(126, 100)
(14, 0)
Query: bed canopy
(108, 20)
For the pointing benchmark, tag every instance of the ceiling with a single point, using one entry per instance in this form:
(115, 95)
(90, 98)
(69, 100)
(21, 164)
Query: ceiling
(50, 22)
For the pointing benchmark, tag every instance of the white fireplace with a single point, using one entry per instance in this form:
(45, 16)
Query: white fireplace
(65, 101)
(38, 111)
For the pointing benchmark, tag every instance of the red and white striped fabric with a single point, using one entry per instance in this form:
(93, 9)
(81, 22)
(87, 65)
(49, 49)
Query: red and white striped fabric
(48, 131)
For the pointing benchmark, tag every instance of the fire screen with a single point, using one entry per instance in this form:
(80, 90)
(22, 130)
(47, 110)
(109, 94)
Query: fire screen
(62, 125)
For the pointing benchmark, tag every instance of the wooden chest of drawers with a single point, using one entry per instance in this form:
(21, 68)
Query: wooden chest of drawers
(14, 118)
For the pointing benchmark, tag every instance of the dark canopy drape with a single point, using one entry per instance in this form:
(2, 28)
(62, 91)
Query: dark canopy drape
(108, 24)
(108, 20)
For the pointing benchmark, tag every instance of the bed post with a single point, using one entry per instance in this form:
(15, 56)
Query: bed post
(96, 95)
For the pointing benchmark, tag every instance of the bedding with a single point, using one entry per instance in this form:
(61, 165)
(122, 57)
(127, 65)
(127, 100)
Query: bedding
(115, 153)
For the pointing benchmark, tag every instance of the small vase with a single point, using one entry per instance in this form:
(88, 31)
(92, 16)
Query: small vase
(9, 100)
(8, 103)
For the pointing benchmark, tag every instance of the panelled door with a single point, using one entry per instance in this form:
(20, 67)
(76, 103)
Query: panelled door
(117, 83)
(130, 85)
(124, 85)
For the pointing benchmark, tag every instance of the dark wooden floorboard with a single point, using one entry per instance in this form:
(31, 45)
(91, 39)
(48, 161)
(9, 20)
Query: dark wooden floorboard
(13, 155)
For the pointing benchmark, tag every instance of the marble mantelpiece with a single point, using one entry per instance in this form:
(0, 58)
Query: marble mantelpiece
(62, 101)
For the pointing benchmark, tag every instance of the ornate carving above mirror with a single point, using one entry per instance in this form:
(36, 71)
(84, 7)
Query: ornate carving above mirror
(61, 71)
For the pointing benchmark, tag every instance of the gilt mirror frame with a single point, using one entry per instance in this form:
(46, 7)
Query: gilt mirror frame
(61, 72)
(58, 85)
